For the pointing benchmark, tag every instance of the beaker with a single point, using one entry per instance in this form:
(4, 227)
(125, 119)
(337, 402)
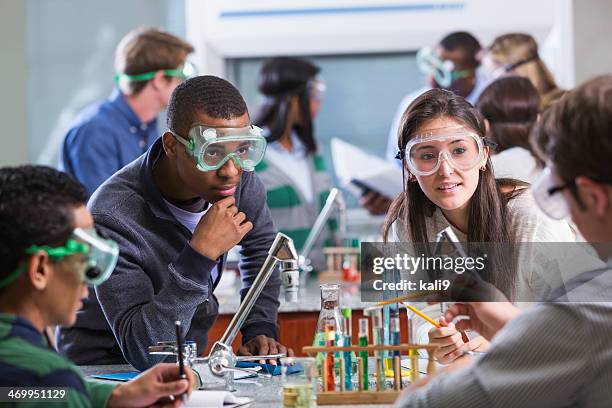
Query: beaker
(299, 381)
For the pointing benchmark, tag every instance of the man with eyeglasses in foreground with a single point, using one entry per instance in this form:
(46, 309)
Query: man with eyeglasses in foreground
(49, 254)
(559, 352)
(108, 135)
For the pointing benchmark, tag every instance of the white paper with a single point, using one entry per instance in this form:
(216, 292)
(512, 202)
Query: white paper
(353, 164)
(215, 399)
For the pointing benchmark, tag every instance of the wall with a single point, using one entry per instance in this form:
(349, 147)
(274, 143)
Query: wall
(71, 47)
(592, 36)
(13, 104)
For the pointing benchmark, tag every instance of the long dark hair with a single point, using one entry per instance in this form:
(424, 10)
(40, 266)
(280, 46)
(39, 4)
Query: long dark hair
(488, 205)
(279, 80)
(511, 106)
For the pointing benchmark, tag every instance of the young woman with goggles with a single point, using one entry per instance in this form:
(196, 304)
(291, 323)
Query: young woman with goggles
(449, 181)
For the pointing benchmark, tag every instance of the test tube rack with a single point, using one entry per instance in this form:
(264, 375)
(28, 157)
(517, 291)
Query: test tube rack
(378, 396)
(335, 257)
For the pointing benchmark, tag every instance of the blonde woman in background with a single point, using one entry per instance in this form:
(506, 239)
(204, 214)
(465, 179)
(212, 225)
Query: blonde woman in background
(517, 54)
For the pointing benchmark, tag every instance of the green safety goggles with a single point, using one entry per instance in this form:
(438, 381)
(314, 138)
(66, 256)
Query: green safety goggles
(102, 255)
(443, 71)
(211, 147)
(186, 71)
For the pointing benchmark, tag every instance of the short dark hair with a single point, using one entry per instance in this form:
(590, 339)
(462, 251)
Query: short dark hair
(511, 105)
(575, 133)
(464, 42)
(207, 94)
(36, 204)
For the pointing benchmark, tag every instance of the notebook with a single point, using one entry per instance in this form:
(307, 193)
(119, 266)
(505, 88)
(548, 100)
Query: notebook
(215, 399)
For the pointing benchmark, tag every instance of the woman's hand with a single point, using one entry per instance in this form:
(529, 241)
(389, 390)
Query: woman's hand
(452, 342)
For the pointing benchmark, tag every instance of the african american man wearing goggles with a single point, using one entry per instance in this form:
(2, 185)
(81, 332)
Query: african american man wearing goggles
(175, 213)
(50, 253)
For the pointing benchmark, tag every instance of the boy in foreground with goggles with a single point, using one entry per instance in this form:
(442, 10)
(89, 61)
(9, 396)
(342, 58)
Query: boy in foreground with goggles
(557, 353)
(49, 254)
(175, 212)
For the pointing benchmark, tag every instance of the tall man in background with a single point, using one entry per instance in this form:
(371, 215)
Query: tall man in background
(107, 135)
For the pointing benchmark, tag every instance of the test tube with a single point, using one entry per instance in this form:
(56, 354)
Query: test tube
(394, 338)
(364, 338)
(413, 354)
(330, 336)
(348, 363)
(377, 337)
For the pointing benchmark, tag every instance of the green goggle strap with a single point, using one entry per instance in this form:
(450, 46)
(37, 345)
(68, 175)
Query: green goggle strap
(189, 143)
(459, 74)
(55, 253)
(145, 76)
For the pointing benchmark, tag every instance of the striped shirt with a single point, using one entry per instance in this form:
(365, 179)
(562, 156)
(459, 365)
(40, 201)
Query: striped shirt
(552, 355)
(26, 360)
(293, 213)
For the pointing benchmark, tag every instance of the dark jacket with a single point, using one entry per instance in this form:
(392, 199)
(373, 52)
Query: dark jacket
(160, 278)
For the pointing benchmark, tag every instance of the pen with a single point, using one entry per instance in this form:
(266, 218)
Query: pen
(179, 344)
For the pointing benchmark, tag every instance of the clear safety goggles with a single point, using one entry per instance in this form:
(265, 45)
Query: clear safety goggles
(461, 148)
(187, 70)
(443, 71)
(544, 189)
(211, 147)
(102, 255)
(317, 88)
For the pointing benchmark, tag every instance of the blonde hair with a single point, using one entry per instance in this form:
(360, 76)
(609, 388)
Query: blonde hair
(514, 48)
(148, 49)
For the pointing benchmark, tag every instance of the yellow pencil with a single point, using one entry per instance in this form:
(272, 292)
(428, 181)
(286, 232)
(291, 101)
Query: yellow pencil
(423, 315)
(402, 299)
(464, 335)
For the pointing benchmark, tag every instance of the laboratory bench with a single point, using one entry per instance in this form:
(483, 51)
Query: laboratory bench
(266, 392)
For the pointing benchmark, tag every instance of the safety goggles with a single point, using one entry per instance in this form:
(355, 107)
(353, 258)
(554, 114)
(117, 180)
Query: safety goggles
(424, 153)
(443, 71)
(211, 147)
(188, 70)
(544, 189)
(317, 88)
(102, 255)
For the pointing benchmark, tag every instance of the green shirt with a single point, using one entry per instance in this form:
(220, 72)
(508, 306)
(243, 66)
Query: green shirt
(26, 360)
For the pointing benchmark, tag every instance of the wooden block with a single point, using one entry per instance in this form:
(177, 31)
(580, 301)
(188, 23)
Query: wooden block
(342, 373)
(360, 365)
(397, 372)
(431, 364)
(357, 398)
(324, 376)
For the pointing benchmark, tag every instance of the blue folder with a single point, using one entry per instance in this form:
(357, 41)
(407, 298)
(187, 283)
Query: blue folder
(270, 368)
(124, 376)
